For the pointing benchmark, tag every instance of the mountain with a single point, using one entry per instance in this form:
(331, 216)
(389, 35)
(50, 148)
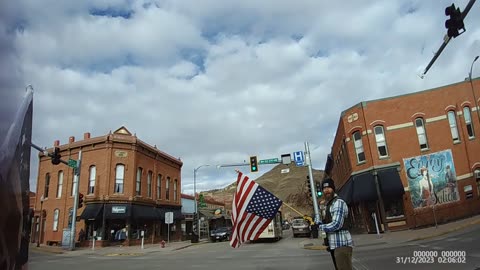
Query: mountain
(287, 182)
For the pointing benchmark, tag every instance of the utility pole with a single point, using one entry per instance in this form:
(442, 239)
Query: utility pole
(312, 182)
(76, 183)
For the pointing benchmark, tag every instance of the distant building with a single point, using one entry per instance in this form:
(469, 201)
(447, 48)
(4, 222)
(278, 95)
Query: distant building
(212, 214)
(128, 186)
(410, 160)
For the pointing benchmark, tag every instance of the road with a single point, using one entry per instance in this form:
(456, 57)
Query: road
(285, 254)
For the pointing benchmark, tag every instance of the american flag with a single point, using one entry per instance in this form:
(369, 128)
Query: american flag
(253, 209)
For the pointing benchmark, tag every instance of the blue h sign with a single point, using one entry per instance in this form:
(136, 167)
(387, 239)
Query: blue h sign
(298, 157)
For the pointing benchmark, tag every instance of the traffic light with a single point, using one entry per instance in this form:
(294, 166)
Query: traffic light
(319, 190)
(455, 22)
(56, 156)
(308, 185)
(80, 200)
(253, 164)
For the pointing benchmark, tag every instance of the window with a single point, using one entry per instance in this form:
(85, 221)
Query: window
(60, 184)
(452, 121)
(149, 184)
(357, 139)
(167, 188)
(91, 180)
(70, 215)
(477, 178)
(138, 183)
(119, 176)
(422, 137)
(380, 139)
(175, 190)
(159, 186)
(394, 208)
(47, 184)
(55, 219)
(468, 122)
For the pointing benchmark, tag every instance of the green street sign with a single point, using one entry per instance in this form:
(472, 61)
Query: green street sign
(72, 163)
(268, 161)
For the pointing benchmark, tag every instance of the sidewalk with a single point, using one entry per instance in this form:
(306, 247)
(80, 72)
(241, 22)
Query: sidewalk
(117, 250)
(362, 240)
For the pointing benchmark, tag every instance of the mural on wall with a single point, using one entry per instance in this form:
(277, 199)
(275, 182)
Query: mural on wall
(432, 179)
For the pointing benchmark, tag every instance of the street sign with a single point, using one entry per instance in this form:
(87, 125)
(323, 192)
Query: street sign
(299, 158)
(168, 217)
(268, 161)
(72, 163)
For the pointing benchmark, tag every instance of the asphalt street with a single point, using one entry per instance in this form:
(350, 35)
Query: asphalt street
(284, 254)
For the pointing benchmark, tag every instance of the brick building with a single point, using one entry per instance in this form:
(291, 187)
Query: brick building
(127, 185)
(411, 160)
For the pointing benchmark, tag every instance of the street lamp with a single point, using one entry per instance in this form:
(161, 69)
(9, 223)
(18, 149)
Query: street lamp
(40, 222)
(195, 196)
(473, 91)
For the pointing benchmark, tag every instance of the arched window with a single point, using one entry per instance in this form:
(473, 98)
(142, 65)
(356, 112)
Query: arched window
(47, 185)
(91, 180)
(119, 178)
(381, 143)
(159, 186)
(175, 183)
(357, 140)
(422, 136)
(149, 184)
(56, 213)
(452, 121)
(60, 184)
(167, 188)
(138, 183)
(468, 122)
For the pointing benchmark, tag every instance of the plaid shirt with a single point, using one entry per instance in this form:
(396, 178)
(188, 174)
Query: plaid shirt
(337, 237)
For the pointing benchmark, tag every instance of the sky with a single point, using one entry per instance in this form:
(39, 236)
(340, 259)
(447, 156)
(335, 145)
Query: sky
(215, 82)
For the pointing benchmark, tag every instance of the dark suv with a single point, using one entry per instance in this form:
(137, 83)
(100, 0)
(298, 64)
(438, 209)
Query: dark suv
(220, 234)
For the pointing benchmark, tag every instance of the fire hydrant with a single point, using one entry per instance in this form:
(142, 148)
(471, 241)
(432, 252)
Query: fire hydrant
(162, 244)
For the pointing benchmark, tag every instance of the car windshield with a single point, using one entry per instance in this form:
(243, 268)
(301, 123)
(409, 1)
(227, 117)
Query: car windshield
(223, 229)
(298, 222)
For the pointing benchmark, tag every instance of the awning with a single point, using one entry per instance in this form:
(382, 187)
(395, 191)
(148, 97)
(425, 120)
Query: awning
(117, 211)
(346, 192)
(390, 183)
(144, 212)
(177, 213)
(364, 187)
(92, 211)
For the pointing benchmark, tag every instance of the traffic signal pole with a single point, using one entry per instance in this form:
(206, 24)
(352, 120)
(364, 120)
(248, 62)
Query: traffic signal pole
(76, 183)
(312, 182)
(46, 153)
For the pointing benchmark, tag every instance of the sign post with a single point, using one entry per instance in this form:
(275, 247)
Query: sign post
(168, 220)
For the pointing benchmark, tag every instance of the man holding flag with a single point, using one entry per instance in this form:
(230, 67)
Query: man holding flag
(252, 210)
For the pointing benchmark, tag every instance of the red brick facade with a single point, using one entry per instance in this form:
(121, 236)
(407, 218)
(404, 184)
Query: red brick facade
(398, 116)
(105, 153)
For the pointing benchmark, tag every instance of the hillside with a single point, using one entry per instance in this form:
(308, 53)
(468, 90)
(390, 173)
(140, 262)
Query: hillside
(290, 187)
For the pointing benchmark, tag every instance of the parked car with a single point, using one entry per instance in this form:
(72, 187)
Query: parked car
(220, 234)
(300, 227)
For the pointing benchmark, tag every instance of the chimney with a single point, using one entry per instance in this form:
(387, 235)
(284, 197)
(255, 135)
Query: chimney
(86, 135)
(71, 139)
(56, 143)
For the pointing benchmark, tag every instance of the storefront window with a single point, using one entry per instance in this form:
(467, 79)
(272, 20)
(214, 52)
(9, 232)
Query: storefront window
(394, 208)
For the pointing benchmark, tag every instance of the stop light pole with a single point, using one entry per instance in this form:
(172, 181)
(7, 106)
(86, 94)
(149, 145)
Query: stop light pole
(76, 183)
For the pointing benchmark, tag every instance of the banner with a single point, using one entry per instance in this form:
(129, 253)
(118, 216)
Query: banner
(431, 179)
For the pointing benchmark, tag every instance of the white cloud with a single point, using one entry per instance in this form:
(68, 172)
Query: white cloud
(215, 82)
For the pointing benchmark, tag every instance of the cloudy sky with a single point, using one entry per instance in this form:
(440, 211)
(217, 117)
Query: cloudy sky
(213, 82)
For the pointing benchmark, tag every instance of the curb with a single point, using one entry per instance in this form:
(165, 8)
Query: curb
(46, 250)
(459, 227)
(313, 247)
